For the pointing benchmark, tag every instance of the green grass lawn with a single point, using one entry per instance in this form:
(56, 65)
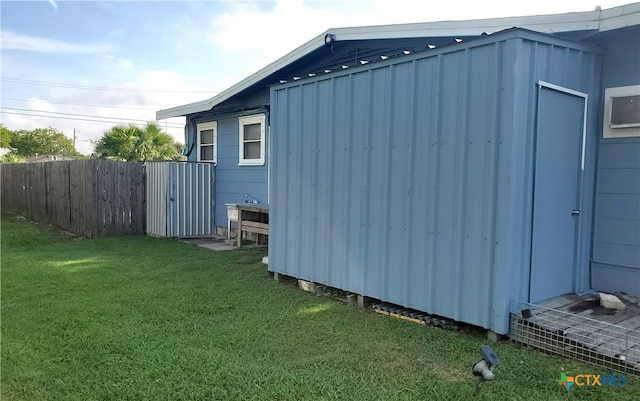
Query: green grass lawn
(139, 318)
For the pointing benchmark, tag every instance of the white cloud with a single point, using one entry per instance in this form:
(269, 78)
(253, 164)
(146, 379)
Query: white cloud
(259, 37)
(14, 41)
(53, 4)
(39, 104)
(15, 121)
(109, 62)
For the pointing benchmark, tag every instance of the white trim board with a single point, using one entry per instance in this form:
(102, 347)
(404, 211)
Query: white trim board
(583, 95)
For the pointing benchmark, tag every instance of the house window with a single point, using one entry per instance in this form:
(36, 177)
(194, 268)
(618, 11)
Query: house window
(252, 133)
(207, 142)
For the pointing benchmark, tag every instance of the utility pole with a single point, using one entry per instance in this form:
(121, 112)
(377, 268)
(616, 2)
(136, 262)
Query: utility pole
(74, 139)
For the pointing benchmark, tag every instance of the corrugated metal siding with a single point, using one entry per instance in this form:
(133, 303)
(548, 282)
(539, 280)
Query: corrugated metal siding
(191, 202)
(575, 68)
(180, 200)
(374, 209)
(407, 181)
(157, 182)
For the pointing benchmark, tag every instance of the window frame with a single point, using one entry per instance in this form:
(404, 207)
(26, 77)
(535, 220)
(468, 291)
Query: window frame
(248, 120)
(213, 125)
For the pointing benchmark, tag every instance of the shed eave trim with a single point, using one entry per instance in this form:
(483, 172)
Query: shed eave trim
(541, 23)
(612, 18)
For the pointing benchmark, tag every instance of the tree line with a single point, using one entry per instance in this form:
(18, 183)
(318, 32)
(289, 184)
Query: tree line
(121, 143)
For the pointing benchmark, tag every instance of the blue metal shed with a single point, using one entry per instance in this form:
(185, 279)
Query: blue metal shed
(451, 167)
(432, 181)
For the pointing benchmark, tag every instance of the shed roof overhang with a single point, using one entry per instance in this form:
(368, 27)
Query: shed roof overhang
(376, 40)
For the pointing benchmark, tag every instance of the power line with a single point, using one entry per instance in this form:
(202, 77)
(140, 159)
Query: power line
(101, 88)
(175, 125)
(77, 104)
(62, 118)
(140, 122)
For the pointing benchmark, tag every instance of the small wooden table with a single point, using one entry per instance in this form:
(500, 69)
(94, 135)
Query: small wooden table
(252, 218)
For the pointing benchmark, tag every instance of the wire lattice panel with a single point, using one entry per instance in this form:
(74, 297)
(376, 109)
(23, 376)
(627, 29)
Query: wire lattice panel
(615, 346)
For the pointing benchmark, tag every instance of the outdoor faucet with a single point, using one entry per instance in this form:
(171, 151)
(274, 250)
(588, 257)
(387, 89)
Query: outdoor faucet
(250, 199)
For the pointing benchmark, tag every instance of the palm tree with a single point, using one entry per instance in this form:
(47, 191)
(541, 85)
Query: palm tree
(12, 157)
(135, 144)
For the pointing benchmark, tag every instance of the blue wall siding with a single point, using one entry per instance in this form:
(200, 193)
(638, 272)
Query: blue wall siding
(232, 181)
(409, 181)
(616, 243)
(621, 64)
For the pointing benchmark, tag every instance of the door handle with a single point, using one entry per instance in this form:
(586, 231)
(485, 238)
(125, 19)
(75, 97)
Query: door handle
(575, 212)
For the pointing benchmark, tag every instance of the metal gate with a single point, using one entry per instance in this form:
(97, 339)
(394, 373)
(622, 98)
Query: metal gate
(180, 199)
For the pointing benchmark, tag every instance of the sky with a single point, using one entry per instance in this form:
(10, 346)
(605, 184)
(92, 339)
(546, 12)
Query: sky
(86, 66)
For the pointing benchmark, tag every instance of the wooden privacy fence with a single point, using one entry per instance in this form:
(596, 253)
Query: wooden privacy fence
(92, 198)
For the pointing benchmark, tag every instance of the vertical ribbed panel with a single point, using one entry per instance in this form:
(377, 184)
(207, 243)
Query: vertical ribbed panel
(180, 200)
(191, 203)
(409, 180)
(157, 181)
